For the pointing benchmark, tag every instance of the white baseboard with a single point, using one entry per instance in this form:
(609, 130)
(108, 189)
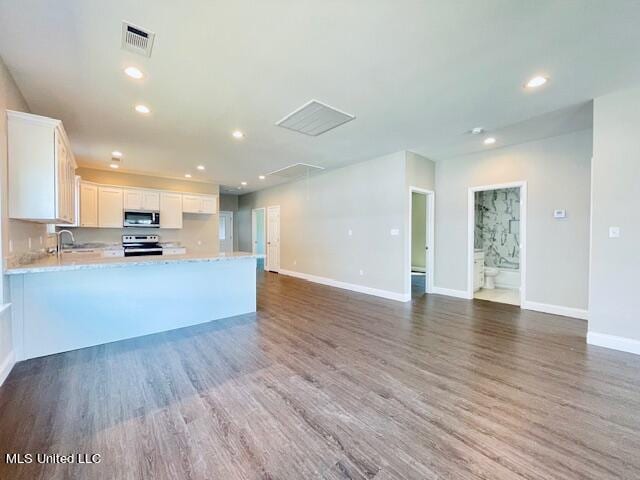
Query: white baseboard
(6, 366)
(450, 292)
(616, 343)
(400, 297)
(556, 309)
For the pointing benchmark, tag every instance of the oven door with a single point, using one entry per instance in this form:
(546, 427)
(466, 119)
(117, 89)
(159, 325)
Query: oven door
(141, 219)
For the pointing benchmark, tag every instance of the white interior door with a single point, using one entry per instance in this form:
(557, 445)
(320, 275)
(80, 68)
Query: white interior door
(273, 239)
(225, 231)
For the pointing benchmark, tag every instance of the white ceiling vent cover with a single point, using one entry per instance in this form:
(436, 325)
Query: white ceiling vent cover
(137, 39)
(314, 118)
(295, 171)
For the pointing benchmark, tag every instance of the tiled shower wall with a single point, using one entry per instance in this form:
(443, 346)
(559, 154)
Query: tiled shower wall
(497, 227)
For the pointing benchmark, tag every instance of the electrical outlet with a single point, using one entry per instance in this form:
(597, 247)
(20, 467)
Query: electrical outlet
(361, 273)
(295, 262)
(395, 232)
(350, 232)
(614, 232)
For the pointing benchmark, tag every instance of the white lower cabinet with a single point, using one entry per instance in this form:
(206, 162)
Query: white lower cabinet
(110, 207)
(170, 210)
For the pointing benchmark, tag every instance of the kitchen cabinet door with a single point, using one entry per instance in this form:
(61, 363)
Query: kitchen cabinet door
(110, 207)
(191, 204)
(170, 210)
(132, 199)
(88, 205)
(150, 201)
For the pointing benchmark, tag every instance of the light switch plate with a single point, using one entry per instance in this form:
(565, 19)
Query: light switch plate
(614, 232)
(560, 213)
(395, 232)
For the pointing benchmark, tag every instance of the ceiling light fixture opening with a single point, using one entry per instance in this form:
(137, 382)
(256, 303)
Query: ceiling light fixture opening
(143, 109)
(200, 167)
(187, 175)
(536, 82)
(489, 141)
(134, 72)
(114, 165)
(237, 134)
(243, 183)
(261, 177)
(116, 154)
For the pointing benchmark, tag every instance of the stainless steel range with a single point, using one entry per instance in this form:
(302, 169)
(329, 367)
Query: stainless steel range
(138, 245)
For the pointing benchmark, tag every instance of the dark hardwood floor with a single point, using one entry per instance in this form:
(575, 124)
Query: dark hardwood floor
(326, 383)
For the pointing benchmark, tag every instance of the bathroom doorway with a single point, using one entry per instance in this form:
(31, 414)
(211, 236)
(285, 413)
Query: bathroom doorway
(419, 263)
(497, 242)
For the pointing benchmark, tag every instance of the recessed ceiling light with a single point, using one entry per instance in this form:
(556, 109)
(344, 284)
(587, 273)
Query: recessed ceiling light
(489, 141)
(536, 81)
(142, 109)
(477, 131)
(237, 134)
(261, 177)
(200, 167)
(116, 154)
(134, 72)
(187, 175)
(243, 183)
(114, 165)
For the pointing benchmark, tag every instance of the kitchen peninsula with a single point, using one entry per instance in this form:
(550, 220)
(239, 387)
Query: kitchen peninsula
(70, 303)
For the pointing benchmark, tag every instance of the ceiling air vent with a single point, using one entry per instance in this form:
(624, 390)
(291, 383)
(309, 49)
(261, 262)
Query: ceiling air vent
(314, 118)
(137, 39)
(295, 171)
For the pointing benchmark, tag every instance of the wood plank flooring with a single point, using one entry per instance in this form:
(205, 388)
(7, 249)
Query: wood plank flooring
(323, 383)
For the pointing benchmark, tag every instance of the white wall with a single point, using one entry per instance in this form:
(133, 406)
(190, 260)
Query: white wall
(614, 309)
(557, 170)
(317, 213)
(370, 199)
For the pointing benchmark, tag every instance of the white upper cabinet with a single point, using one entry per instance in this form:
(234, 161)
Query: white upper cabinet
(199, 203)
(132, 199)
(41, 170)
(88, 205)
(170, 210)
(110, 203)
(151, 201)
(135, 199)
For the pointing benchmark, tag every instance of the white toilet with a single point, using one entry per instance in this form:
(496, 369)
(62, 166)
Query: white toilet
(490, 274)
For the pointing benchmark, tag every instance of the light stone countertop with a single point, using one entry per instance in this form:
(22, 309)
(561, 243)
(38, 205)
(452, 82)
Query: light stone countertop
(52, 263)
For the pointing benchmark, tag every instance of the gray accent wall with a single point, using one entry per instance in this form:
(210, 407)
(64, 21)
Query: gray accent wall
(615, 262)
(557, 171)
(370, 198)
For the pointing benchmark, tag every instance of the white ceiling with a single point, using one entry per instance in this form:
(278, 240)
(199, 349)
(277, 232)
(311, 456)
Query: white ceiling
(417, 75)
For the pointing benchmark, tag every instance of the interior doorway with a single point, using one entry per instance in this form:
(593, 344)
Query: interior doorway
(258, 235)
(225, 231)
(273, 239)
(419, 267)
(496, 249)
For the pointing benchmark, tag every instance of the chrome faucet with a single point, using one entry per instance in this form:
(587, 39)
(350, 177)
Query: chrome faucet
(59, 240)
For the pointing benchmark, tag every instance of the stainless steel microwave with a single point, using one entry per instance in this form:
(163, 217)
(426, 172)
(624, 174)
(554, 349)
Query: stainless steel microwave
(141, 219)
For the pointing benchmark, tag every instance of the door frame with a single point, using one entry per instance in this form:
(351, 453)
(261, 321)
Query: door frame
(522, 185)
(226, 213)
(430, 225)
(267, 266)
(254, 230)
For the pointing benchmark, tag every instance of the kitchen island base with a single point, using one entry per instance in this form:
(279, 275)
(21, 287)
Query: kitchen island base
(57, 311)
